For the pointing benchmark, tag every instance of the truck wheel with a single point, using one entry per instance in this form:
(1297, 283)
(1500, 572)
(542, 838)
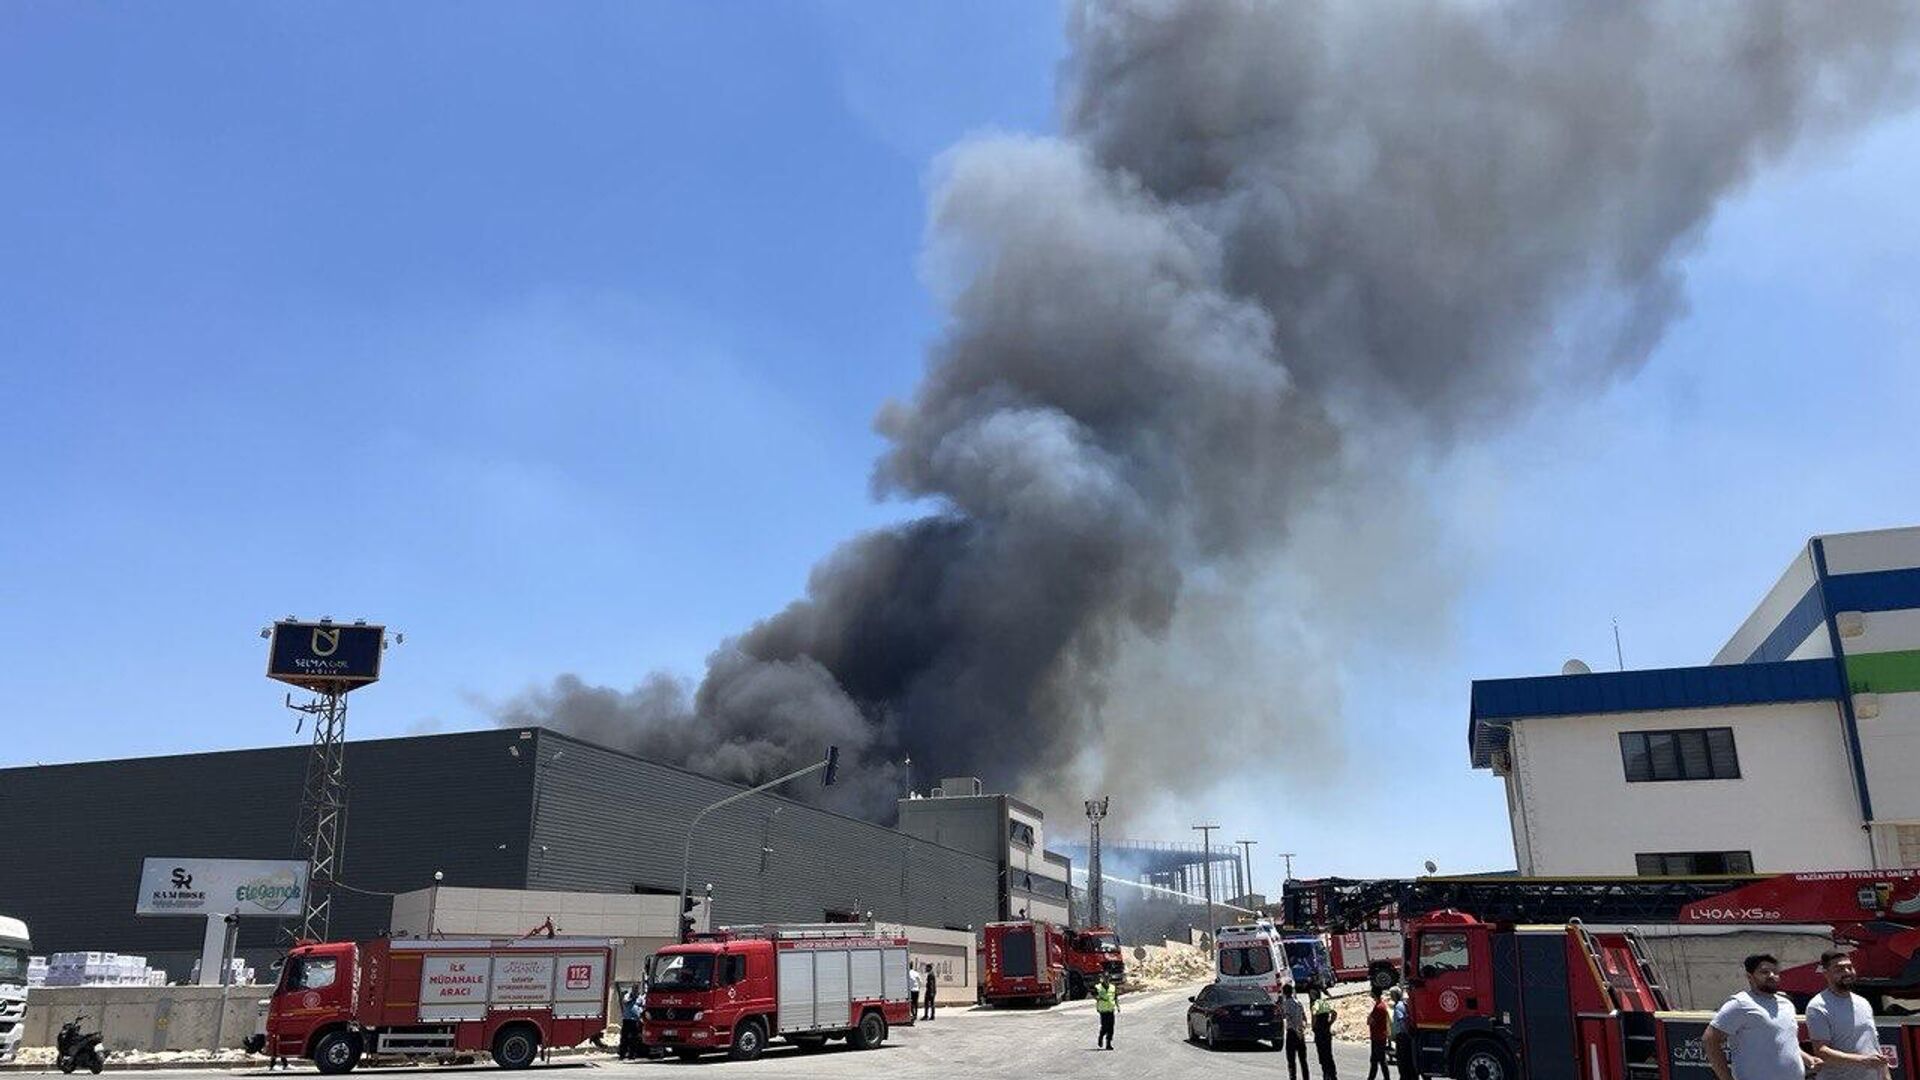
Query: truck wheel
(336, 1052)
(1076, 987)
(871, 1032)
(1483, 1059)
(748, 1041)
(516, 1047)
(1381, 976)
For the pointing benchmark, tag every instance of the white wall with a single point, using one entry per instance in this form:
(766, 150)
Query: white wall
(1884, 631)
(1890, 744)
(1786, 592)
(1793, 806)
(1881, 549)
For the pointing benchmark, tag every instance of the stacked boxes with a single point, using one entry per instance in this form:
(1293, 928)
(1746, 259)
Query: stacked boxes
(93, 969)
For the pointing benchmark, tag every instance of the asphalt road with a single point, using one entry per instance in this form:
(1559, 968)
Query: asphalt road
(1056, 1043)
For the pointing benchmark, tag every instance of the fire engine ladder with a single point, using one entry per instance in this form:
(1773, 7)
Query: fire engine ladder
(798, 931)
(1641, 1051)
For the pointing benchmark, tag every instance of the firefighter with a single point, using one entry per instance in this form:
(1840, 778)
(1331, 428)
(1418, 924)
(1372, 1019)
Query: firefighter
(1106, 1002)
(632, 1008)
(1323, 1032)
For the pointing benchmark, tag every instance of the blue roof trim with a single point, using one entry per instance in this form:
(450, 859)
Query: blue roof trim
(1794, 627)
(1874, 590)
(1496, 702)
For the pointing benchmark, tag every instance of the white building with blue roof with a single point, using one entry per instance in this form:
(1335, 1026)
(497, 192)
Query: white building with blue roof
(1797, 748)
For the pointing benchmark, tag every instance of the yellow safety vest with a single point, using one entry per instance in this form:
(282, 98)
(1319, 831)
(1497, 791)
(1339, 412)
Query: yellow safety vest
(1105, 998)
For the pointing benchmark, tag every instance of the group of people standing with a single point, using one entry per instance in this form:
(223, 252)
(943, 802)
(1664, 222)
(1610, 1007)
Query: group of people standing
(1756, 1034)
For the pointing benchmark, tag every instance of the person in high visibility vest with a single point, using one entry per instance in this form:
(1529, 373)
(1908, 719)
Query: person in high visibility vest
(1106, 1002)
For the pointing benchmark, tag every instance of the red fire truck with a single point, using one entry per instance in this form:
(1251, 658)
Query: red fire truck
(737, 987)
(1876, 912)
(1022, 963)
(339, 1000)
(1089, 954)
(1359, 954)
(1498, 1001)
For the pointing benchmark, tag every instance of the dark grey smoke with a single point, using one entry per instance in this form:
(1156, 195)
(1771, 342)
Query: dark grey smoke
(1282, 254)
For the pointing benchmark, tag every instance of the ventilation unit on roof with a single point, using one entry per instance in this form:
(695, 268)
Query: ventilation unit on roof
(1575, 666)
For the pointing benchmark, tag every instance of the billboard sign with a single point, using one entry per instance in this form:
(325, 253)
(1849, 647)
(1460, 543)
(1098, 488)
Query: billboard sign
(271, 888)
(324, 656)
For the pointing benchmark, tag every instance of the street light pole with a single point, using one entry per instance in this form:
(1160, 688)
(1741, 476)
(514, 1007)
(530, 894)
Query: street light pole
(1206, 870)
(832, 766)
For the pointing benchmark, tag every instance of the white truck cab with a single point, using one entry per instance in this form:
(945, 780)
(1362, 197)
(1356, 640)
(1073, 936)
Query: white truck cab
(14, 947)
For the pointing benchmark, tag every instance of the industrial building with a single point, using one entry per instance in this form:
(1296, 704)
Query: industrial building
(1795, 749)
(500, 809)
(1034, 883)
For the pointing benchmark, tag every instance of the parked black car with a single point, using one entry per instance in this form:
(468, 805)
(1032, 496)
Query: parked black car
(1221, 1014)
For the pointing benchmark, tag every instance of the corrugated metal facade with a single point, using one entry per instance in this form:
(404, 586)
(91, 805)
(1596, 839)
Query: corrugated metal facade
(76, 834)
(610, 822)
(464, 804)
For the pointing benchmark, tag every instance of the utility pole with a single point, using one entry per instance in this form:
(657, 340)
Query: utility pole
(1246, 860)
(1206, 870)
(1096, 809)
(1288, 856)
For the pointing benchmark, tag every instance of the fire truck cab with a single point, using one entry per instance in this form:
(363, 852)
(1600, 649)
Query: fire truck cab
(1502, 1002)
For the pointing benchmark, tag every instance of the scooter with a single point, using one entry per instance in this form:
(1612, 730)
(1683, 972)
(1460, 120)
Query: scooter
(76, 1050)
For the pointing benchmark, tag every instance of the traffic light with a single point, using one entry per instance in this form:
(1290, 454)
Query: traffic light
(686, 918)
(833, 767)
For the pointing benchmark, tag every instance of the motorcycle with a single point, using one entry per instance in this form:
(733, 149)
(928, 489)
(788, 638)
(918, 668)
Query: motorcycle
(75, 1050)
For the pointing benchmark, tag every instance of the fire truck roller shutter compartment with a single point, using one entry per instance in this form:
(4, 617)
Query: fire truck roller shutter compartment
(894, 967)
(866, 983)
(1020, 952)
(832, 1008)
(580, 985)
(796, 991)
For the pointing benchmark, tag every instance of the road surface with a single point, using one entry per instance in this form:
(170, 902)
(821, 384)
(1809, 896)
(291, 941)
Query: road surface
(1055, 1043)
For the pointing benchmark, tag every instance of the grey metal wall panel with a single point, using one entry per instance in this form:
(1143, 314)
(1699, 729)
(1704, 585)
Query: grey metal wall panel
(77, 834)
(608, 822)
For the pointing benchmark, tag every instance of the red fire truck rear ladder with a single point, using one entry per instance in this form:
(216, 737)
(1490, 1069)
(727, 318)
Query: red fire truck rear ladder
(1642, 1049)
(789, 932)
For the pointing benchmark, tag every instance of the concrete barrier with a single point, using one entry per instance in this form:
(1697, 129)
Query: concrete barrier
(147, 1017)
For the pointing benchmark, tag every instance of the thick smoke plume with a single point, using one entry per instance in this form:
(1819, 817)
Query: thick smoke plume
(1280, 254)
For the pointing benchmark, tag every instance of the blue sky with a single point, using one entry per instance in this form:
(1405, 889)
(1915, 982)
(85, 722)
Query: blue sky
(553, 337)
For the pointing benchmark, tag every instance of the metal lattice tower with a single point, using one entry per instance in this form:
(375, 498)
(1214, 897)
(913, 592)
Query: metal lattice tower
(1096, 809)
(323, 803)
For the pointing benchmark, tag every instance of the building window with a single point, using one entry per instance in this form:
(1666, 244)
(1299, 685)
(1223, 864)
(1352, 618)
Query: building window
(1020, 833)
(1679, 754)
(1906, 839)
(1681, 863)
